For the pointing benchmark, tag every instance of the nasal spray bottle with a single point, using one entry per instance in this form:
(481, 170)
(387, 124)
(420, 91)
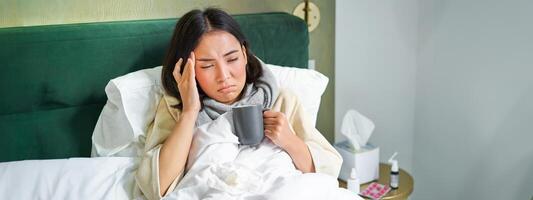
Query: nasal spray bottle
(353, 182)
(394, 172)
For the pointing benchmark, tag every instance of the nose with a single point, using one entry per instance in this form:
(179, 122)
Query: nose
(223, 72)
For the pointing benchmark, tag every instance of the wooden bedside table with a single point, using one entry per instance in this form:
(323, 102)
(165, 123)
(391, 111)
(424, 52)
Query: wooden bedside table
(404, 190)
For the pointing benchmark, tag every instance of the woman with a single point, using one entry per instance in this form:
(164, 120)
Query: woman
(209, 69)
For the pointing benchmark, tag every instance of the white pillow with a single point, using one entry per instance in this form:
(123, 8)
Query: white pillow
(308, 85)
(133, 98)
(130, 108)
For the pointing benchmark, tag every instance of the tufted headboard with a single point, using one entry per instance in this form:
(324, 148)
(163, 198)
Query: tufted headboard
(52, 77)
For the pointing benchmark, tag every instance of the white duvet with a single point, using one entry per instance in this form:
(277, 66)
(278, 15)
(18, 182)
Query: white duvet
(74, 178)
(218, 168)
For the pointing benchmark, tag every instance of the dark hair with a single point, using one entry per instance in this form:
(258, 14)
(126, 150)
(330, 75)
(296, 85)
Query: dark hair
(187, 33)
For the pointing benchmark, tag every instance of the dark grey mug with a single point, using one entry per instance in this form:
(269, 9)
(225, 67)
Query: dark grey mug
(248, 123)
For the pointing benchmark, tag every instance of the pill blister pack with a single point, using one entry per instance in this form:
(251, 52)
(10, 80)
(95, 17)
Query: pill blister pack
(375, 191)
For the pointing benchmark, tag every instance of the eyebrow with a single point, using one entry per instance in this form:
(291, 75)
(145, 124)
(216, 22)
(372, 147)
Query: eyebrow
(211, 59)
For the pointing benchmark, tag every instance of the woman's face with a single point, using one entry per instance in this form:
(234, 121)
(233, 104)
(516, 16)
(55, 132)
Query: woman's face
(221, 66)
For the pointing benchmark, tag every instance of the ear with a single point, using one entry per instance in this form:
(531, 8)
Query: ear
(244, 53)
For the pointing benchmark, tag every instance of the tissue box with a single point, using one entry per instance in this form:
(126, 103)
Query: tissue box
(366, 161)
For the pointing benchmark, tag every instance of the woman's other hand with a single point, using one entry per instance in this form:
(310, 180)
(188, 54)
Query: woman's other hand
(187, 84)
(277, 129)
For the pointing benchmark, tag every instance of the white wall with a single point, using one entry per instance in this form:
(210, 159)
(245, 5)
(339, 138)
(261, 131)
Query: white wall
(449, 84)
(474, 101)
(375, 63)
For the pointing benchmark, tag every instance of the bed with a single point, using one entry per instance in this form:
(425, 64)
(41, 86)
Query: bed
(53, 78)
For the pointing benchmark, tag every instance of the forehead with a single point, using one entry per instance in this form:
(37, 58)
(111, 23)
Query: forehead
(217, 42)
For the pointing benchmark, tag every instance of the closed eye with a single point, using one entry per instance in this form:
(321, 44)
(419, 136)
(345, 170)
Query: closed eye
(233, 60)
(206, 66)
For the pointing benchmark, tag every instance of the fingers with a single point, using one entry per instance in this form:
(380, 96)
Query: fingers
(189, 66)
(270, 134)
(273, 133)
(274, 128)
(193, 64)
(193, 58)
(272, 114)
(271, 121)
(176, 72)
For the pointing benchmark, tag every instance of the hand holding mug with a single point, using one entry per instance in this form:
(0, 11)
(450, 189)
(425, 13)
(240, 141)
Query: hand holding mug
(277, 128)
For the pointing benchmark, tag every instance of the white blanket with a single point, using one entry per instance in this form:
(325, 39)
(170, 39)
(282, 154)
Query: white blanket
(75, 178)
(219, 168)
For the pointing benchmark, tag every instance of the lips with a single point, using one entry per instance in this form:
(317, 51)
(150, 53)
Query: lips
(227, 89)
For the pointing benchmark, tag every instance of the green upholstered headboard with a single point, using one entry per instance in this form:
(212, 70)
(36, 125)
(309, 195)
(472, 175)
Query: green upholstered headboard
(52, 78)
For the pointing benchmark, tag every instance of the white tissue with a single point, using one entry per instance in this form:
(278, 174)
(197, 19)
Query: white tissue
(234, 178)
(356, 128)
